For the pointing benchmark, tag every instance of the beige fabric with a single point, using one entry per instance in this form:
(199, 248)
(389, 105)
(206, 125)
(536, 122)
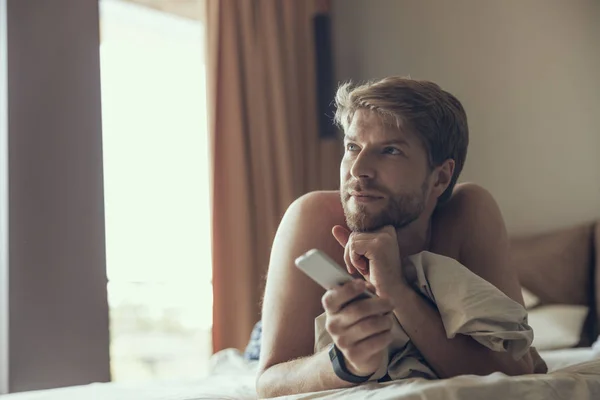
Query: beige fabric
(468, 305)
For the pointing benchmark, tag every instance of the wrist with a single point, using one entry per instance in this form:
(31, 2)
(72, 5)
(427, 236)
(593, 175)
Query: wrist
(355, 371)
(406, 295)
(344, 370)
(397, 289)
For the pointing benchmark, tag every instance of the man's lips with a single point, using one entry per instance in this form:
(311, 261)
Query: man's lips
(365, 195)
(364, 198)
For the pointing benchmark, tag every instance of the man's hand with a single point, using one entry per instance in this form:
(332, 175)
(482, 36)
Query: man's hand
(375, 255)
(361, 329)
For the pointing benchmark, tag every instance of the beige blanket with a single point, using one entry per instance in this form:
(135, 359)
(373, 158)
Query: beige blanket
(467, 304)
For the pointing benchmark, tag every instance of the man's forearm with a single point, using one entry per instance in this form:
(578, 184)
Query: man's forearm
(449, 357)
(308, 374)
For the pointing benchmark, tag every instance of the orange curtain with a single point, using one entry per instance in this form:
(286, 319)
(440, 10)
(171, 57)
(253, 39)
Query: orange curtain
(266, 149)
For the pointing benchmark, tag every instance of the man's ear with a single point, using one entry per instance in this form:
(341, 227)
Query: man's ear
(443, 177)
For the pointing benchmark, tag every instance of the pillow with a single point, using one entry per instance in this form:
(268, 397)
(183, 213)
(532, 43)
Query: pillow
(557, 326)
(530, 299)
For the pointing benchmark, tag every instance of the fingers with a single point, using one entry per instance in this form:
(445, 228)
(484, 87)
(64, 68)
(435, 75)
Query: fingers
(358, 261)
(354, 259)
(348, 261)
(365, 349)
(334, 299)
(364, 329)
(357, 244)
(354, 312)
(371, 287)
(361, 328)
(341, 234)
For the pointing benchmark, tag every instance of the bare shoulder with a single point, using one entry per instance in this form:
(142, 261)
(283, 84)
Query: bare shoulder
(292, 300)
(322, 203)
(474, 220)
(471, 206)
(452, 221)
(310, 217)
(313, 215)
(480, 217)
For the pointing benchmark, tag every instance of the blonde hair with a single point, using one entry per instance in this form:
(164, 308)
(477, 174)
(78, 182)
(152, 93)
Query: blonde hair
(434, 115)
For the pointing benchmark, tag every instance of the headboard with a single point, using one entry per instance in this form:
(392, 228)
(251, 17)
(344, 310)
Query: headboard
(562, 267)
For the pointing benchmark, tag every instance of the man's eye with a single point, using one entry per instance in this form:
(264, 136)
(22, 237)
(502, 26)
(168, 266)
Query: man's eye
(351, 147)
(392, 150)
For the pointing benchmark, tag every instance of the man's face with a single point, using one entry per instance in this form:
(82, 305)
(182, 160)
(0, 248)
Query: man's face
(384, 174)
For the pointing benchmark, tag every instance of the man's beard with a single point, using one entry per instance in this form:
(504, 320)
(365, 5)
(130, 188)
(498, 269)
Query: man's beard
(399, 212)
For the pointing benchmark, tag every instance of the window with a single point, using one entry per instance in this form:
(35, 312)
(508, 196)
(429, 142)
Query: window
(156, 178)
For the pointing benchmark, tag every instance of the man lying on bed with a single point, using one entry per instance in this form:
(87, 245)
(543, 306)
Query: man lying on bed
(405, 146)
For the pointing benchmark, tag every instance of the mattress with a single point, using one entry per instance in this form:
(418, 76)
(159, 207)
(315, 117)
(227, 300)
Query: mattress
(575, 375)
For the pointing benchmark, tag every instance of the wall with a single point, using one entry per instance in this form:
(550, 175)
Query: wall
(3, 203)
(58, 312)
(528, 74)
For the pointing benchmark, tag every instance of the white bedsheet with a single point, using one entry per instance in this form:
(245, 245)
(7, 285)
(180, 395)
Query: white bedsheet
(233, 378)
(557, 359)
(223, 387)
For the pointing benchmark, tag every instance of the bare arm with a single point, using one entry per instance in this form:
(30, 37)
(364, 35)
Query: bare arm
(450, 357)
(292, 301)
(308, 374)
(485, 252)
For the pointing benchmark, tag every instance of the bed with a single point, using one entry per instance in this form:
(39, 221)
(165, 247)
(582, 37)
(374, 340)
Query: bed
(560, 269)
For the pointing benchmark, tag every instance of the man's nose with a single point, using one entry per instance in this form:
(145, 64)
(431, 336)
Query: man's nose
(362, 167)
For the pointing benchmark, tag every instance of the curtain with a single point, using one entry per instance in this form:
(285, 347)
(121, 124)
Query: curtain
(266, 148)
